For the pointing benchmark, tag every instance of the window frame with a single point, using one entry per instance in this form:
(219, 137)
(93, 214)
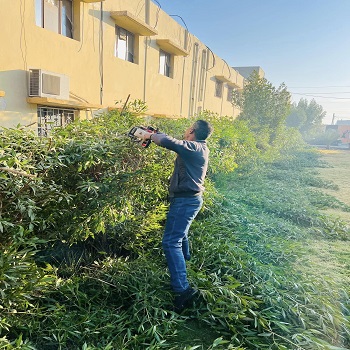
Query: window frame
(229, 93)
(61, 24)
(165, 68)
(219, 86)
(128, 55)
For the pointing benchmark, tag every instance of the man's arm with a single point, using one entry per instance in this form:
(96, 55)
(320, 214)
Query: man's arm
(164, 140)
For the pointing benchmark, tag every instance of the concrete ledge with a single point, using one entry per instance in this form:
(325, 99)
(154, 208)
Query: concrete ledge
(222, 78)
(47, 101)
(234, 85)
(168, 116)
(170, 47)
(133, 24)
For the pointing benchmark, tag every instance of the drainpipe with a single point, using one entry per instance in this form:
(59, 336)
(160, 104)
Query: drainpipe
(183, 71)
(204, 88)
(147, 10)
(222, 99)
(145, 69)
(101, 53)
(147, 20)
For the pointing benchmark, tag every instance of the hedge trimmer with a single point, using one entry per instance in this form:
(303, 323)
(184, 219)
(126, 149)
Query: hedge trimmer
(136, 134)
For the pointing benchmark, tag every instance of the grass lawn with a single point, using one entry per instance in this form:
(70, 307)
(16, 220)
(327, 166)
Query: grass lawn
(338, 172)
(328, 261)
(322, 263)
(333, 257)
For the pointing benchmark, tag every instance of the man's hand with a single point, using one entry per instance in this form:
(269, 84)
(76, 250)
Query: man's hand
(142, 134)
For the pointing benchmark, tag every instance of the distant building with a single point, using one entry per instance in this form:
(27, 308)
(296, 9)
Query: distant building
(343, 122)
(343, 129)
(247, 71)
(62, 60)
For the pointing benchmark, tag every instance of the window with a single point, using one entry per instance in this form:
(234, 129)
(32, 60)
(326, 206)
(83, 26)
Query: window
(218, 88)
(164, 63)
(229, 93)
(55, 15)
(124, 46)
(51, 117)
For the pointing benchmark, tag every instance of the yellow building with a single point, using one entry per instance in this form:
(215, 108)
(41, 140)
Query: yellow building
(63, 59)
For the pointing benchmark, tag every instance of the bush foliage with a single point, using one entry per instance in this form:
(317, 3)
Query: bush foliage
(81, 219)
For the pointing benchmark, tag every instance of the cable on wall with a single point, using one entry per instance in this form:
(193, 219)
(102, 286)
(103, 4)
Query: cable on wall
(138, 13)
(188, 44)
(157, 15)
(188, 32)
(229, 68)
(82, 29)
(23, 34)
(101, 52)
(214, 60)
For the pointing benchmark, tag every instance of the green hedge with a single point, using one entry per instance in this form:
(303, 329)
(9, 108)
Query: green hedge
(81, 219)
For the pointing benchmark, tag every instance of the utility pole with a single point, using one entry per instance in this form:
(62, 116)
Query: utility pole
(333, 118)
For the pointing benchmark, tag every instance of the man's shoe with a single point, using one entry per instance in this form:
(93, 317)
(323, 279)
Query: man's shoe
(184, 299)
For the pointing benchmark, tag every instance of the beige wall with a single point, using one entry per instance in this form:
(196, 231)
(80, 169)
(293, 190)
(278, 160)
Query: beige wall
(25, 46)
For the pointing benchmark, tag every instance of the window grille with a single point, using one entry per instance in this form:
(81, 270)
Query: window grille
(52, 117)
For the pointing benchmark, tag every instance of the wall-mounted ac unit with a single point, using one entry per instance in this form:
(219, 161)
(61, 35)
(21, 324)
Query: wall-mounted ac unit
(48, 84)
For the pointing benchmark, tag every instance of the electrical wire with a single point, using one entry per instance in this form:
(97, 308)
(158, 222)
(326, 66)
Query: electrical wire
(82, 29)
(157, 15)
(229, 68)
(214, 60)
(138, 13)
(181, 20)
(327, 93)
(335, 98)
(188, 32)
(23, 34)
(316, 87)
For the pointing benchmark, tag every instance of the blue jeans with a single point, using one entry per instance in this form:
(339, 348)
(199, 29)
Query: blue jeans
(176, 248)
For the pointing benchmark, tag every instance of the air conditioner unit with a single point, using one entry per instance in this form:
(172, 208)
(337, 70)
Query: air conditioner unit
(48, 84)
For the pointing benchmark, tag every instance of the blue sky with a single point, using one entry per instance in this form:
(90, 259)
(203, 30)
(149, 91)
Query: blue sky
(302, 43)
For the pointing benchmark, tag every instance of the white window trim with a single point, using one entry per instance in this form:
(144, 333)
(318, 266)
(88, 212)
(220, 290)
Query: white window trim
(40, 18)
(165, 63)
(126, 54)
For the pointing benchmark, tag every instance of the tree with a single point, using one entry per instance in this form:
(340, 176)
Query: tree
(264, 107)
(306, 117)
